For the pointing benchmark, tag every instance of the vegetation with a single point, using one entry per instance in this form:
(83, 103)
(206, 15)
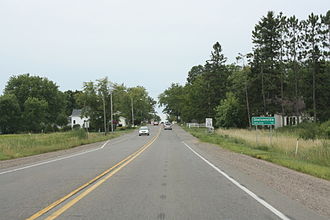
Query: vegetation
(35, 104)
(96, 96)
(312, 158)
(287, 72)
(21, 145)
(31, 103)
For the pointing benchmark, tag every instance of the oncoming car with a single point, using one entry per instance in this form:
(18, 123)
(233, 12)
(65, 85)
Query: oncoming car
(167, 126)
(144, 131)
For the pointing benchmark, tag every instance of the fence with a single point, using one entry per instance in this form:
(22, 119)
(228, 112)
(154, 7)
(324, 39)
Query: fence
(195, 125)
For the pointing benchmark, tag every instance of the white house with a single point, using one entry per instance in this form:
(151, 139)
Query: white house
(122, 121)
(77, 119)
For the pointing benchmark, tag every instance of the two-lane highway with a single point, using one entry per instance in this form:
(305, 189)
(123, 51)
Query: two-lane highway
(26, 191)
(156, 177)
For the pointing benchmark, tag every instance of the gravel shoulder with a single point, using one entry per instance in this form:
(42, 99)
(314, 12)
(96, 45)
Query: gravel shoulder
(309, 191)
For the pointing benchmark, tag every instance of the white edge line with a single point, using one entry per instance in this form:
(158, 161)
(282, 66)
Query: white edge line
(250, 193)
(54, 160)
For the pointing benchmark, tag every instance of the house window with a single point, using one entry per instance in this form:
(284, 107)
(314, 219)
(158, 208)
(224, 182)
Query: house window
(74, 122)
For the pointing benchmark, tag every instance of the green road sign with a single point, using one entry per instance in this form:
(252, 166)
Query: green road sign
(263, 120)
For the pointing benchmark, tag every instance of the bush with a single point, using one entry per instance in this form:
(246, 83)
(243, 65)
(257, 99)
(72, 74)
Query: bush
(121, 128)
(80, 133)
(75, 127)
(309, 131)
(325, 129)
(229, 112)
(49, 129)
(66, 128)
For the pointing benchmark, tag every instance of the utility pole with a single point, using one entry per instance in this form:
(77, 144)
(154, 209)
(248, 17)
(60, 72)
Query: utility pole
(132, 111)
(105, 119)
(111, 112)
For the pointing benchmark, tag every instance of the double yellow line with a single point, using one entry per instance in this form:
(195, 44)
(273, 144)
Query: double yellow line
(94, 183)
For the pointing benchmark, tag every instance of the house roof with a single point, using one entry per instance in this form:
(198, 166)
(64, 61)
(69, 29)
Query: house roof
(76, 113)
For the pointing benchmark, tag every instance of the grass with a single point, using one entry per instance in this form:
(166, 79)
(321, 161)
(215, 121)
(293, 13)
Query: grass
(312, 158)
(22, 145)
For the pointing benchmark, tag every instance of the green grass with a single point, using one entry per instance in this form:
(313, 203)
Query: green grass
(22, 145)
(313, 161)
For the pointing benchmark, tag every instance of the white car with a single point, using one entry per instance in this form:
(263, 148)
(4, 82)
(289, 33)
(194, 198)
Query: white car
(167, 126)
(144, 131)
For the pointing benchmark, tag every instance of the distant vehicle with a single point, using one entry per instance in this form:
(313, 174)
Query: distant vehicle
(167, 126)
(156, 123)
(144, 131)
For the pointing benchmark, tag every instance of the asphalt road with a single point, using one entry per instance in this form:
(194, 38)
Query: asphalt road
(162, 177)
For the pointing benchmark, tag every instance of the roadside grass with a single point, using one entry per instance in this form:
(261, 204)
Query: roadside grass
(22, 145)
(312, 158)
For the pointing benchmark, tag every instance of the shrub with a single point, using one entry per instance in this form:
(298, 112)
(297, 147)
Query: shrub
(325, 129)
(66, 128)
(309, 131)
(48, 128)
(229, 112)
(75, 127)
(80, 133)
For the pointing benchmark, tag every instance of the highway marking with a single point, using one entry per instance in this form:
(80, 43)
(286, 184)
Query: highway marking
(250, 193)
(97, 181)
(54, 160)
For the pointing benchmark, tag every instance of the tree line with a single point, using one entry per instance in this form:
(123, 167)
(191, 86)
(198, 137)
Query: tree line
(287, 72)
(35, 104)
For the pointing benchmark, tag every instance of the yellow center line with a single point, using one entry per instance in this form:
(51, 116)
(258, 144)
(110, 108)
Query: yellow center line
(115, 169)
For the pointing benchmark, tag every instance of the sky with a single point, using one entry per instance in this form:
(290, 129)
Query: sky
(150, 43)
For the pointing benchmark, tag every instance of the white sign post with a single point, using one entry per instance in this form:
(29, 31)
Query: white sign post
(208, 123)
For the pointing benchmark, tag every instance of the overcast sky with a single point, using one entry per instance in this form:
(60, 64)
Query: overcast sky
(146, 42)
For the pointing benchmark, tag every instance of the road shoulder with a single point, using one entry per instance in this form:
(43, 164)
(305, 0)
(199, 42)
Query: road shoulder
(308, 191)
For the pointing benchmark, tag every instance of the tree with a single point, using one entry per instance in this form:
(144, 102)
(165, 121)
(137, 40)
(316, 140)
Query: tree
(197, 100)
(121, 102)
(71, 101)
(143, 104)
(10, 113)
(92, 104)
(35, 111)
(312, 52)
(173, 101)
(25, 86)
(215, 77)
(240, 88)
(95, 98)
(266, 38)
(194, 72)
(229, 112)
(292, 44)
(288, 73)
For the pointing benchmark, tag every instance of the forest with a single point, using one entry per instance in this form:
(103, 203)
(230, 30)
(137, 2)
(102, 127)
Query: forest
(287, 72)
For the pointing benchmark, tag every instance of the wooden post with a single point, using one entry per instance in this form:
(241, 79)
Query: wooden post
(271, 135)
(256, 134)
(297, 146)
